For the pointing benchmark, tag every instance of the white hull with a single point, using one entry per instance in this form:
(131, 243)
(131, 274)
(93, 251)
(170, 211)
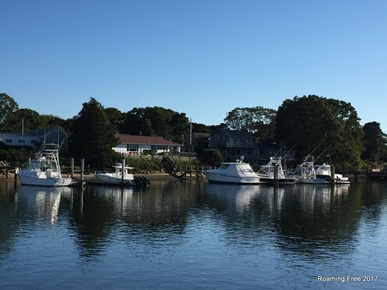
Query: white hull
(108, 179)
(284, 181)
(222, 178)
(303, 180)
(28, 179)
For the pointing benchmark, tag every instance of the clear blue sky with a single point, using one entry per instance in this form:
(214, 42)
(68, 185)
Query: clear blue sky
(199, 57)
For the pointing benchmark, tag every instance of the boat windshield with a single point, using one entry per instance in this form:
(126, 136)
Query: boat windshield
(224, 166)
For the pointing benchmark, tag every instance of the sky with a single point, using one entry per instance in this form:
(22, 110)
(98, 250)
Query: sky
(203, 58)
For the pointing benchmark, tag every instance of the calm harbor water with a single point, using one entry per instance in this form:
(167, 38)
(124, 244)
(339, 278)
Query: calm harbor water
(193, 235)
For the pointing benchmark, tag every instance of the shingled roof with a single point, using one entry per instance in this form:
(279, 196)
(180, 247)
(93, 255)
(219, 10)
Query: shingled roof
(139, 139)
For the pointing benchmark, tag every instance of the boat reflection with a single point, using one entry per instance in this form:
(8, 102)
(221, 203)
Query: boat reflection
(243, 196)
(238, 195)
(40, 202)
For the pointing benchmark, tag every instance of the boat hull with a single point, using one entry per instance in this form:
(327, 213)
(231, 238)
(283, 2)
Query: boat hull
(221, 178)
(26, 179)
(303, 180)
(103, 178)
(284, 181)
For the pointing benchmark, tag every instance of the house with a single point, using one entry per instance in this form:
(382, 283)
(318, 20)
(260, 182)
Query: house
(133, 145)
(234, 143)
(199, 141)
(35, 138)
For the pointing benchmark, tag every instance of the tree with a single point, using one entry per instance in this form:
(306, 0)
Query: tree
(313, 121)
(374, 142)
(156, 121)
(257, 120)
(93, 136)
(211, 157)
(51, 121)
(115, 116)
(22, 120)
(7, 106)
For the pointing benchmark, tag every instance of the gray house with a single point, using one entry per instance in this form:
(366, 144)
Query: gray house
(233, 144)
(236, 143)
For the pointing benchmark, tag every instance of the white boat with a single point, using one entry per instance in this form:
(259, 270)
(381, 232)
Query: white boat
(306, 174)
(266, 173)
(44, 169)
(325, 171)
(120, 176)
(232, 172)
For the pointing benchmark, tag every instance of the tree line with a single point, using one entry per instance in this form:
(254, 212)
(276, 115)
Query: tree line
(306, 122)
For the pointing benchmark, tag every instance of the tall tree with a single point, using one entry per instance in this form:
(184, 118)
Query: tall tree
(312, 121)
(257, 120)
(93, 136)
(375, 142)
(7, 107)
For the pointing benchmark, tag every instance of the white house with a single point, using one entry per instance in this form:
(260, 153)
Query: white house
(133, 145)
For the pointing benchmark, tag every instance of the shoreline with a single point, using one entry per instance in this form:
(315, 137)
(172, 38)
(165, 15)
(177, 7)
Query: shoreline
(91, 177)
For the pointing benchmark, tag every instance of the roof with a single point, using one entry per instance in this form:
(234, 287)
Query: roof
(140, 139)
(233, 133)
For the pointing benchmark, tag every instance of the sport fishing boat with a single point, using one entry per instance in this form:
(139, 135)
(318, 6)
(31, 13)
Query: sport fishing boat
(306, 174)
(44, 169)
(267, 173)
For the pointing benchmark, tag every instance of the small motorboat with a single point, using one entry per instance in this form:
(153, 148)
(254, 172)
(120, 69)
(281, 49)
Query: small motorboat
(120, 176)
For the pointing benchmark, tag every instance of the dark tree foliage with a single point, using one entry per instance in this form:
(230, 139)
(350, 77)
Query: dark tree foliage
(7, 106)
(315, 122)
(115, 116)
(22, 120)
(211, 157)
(200, 128)
(156, 121)
(257, 120)
(50, 121)
(375, 142)
(93, 136)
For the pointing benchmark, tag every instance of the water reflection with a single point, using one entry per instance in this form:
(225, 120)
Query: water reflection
(153, 216)
(40, 202)
(238, 196)
(191, 230)
(308, 219)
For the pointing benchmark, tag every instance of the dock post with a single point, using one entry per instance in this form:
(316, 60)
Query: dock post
(122, 170)
(15, 177)
(72, 167)
(276, 174)
(82, 168)
(332, 174)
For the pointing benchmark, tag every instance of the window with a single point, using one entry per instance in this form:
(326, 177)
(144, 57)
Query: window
(160, 147)
(132, 147)
(8, 140)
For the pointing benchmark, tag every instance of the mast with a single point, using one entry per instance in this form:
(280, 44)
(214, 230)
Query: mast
(190, 134)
